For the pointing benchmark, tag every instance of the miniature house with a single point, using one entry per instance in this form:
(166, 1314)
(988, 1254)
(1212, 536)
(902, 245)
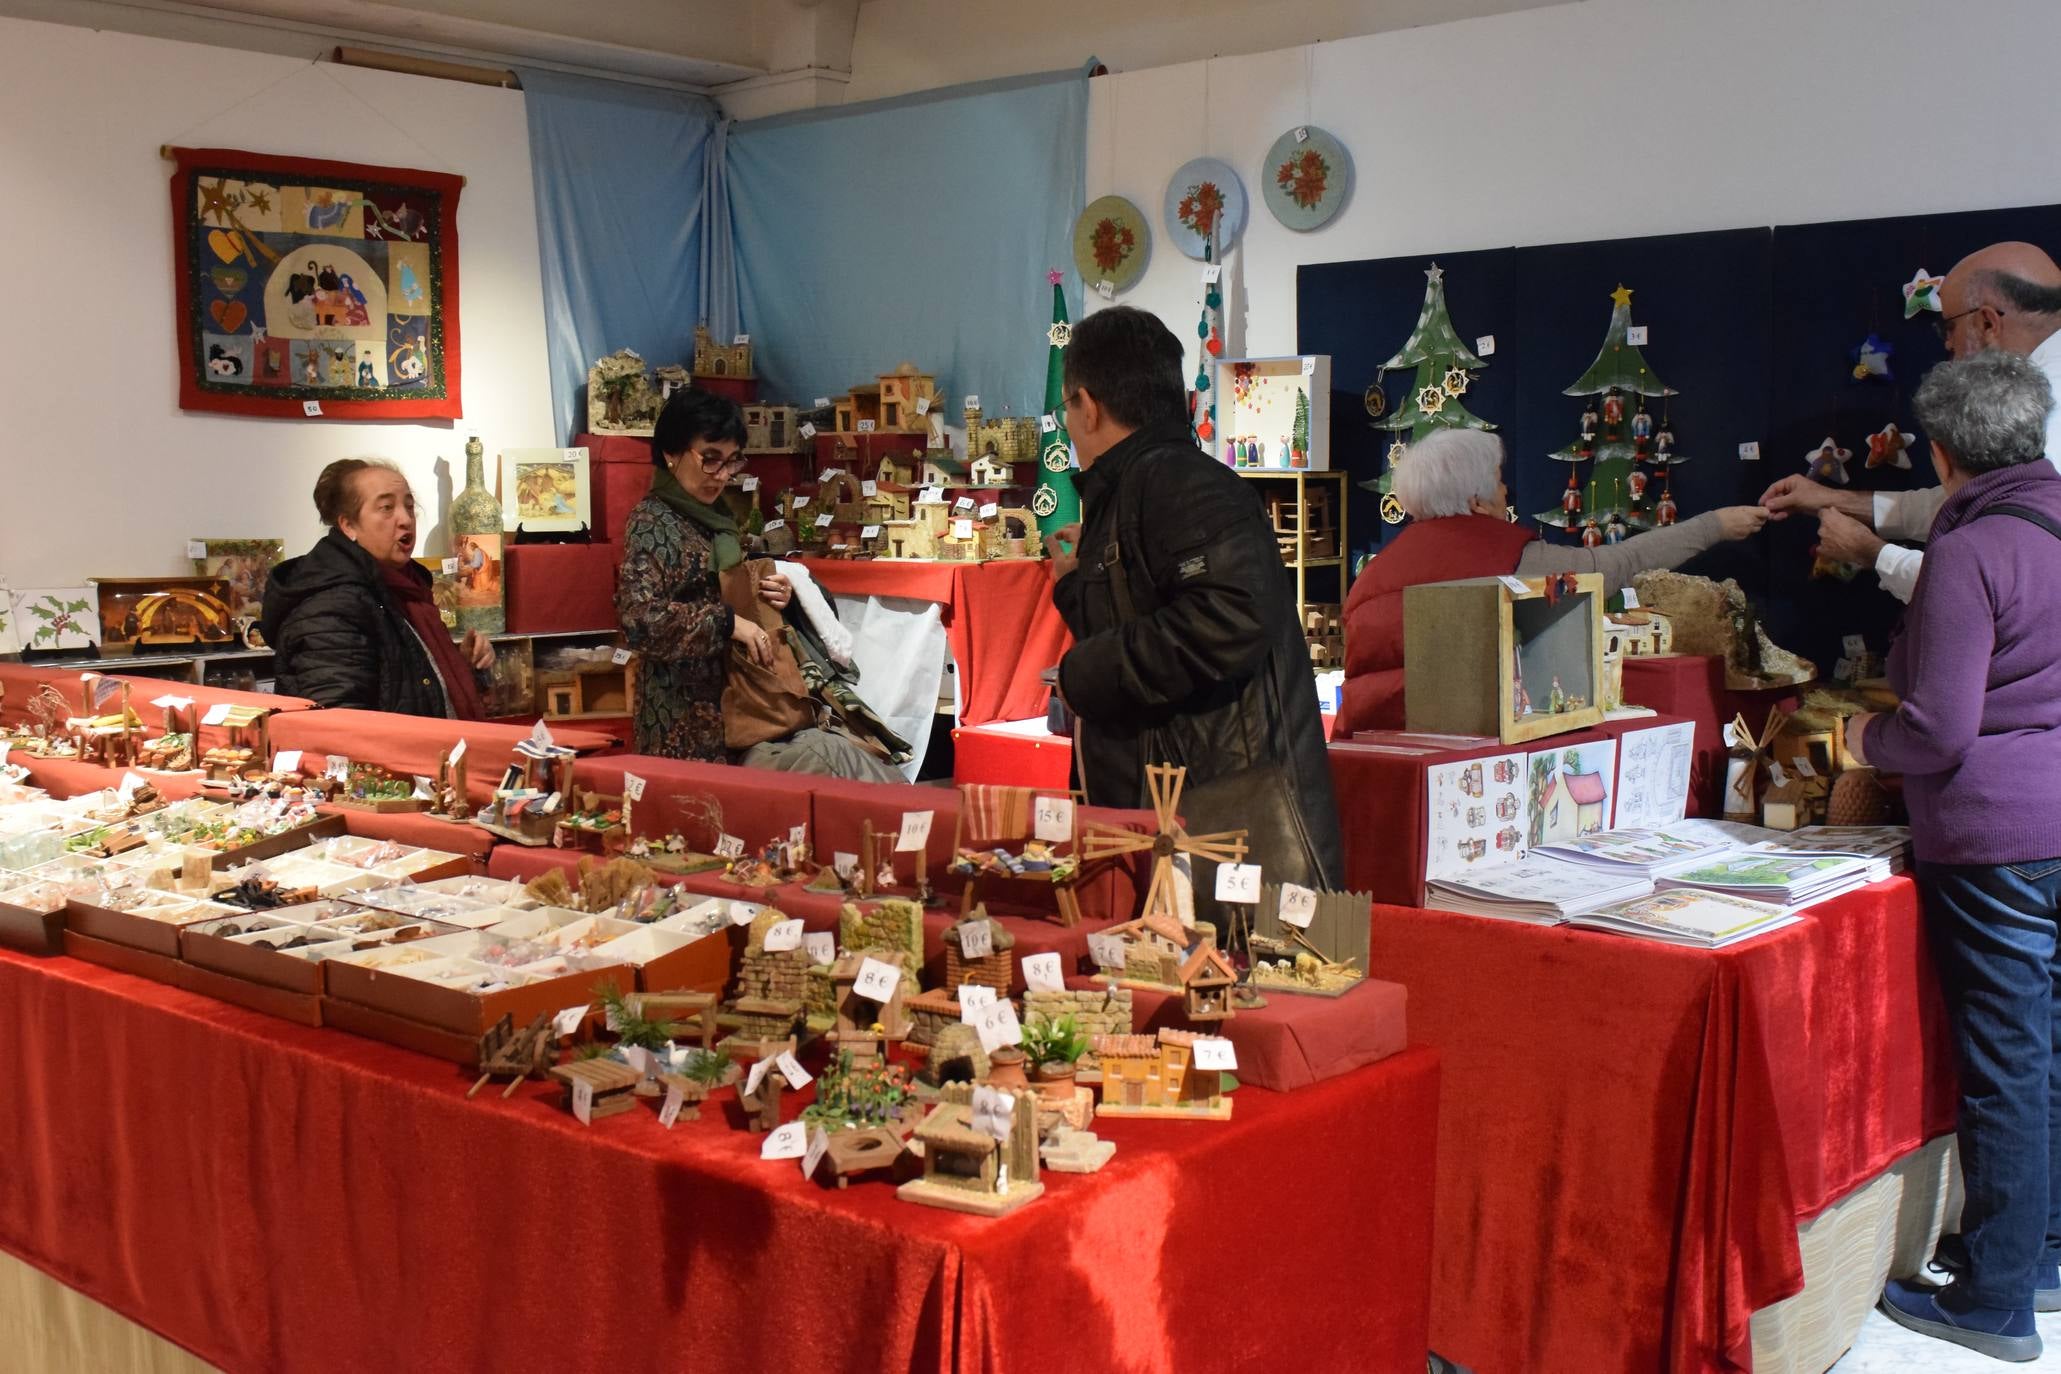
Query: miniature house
(1010, 439)
(862, 406)
(992, 970)
(989, 471)
(769, 428)
(1153, 1076)
(902, 392)
(857, 1014)
(884, 506)
(712, 359)
(908, 539)
(1207, 977)
(975, 1159)
(1156, 948)
(940, 468)
(893, 471)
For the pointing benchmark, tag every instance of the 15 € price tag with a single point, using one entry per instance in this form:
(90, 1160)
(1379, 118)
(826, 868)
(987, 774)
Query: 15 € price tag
(1238, 882)
(1214, 1052)
(844, 865)
(1041, 973)
(786, 1142)
(1052, 819)
(1298, 906)
(876, 981)
(783, 936)
(915, 831)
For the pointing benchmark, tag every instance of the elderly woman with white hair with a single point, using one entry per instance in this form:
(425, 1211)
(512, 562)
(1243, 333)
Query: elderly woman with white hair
(1452, 486)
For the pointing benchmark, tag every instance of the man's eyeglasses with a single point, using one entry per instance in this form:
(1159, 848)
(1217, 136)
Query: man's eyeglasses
(1944, 325)
(715, 464)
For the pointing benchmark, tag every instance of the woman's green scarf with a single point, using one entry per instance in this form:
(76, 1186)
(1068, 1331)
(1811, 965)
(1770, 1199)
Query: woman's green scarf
(718, 524)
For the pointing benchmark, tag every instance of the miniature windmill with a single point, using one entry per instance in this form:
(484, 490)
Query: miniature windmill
(1099, 841)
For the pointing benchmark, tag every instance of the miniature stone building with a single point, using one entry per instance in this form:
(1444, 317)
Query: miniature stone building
(992, 970)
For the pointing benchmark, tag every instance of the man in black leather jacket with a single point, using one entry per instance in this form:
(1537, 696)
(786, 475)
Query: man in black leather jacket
(1209, 668)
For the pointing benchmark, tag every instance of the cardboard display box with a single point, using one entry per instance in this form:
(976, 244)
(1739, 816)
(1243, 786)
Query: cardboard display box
(360, 978)
(1475, 650)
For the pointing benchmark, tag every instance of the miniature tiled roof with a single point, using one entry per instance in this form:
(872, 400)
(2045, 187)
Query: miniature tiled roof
(937, 999)
(1125, 1046)
(1185, 1038)
(1202, 959)
(1586, 789)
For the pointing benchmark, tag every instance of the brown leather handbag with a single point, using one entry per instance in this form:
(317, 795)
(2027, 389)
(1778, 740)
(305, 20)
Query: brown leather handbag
(761, 703)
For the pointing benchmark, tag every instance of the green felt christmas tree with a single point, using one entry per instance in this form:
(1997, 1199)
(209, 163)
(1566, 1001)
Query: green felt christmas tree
(1617, 435)
(1444, 368)
(1056, 503)
(1299, 437)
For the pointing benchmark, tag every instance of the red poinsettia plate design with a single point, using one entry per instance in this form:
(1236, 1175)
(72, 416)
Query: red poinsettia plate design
(1205, 202)
(1309, 178)
(1111, 241)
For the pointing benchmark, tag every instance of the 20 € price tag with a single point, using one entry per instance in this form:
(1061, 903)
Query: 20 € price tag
(876, 981)
(786, 1142)
(1238, 882)
(1298, 906)
(1052, 820)
(976, 939)
(821, 946)
(1215, 1052)
(784, 935)
(974, 998)
(915, 831)
(1041, 973)
(997, 1027)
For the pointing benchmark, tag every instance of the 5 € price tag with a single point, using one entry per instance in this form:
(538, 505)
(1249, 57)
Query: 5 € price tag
(670, 1112)
(1238, 882)
(819, 1145)
(976, 939)
(1041, 973)
(786, 1142)
(583, 1099)
(974, 998)
(1108, 951)
(821, 946)
(790, 1069)
(1298, 906)
(1215, 1052)
(915, 831)
(876, 981)
(783, 936)
(997, 1026)
(633, 787)
(1052, 819)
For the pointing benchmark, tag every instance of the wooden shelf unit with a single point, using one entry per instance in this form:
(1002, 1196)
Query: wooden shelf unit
(1297, 532)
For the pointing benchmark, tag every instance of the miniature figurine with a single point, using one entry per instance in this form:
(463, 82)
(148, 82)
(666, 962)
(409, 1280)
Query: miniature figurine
(1615, 530)
(1664, 511)
(1664, 445)
(1592, 535)
(1571, 499)
(1613, 408)
(1589, 423)
(1642, 427)
(1556, 701)
(1635, 483)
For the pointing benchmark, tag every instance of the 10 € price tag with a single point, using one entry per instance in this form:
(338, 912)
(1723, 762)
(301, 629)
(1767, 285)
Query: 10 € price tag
(844, 865)
(974, 998)
(784, 935)
(915, 830)
(1052, 820)
(997, 1027)
(876, 981)
(1107, 951)
(1215, 1052)
(786, 1142)
(1298, 906)
(1041, 973)
(1238, 882)
(821, 946)
(976, 939)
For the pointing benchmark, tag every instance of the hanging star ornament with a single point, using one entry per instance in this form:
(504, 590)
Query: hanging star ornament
(1889, 447)
(1061, 333)
(1871, 359)
(1435, 274)
(1827, 462)
(1922, 293)
(1455, 382)
(1431, 400)
(1621, 296)
(1055, 276)
(1396, 451)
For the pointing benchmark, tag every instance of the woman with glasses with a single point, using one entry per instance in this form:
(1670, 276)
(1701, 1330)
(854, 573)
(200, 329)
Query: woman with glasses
(676, 546)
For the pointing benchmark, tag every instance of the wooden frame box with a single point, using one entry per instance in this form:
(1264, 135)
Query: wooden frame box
(242, 959)
(358, 979)
(156, 936)
(1475, 651)
(303, 1009)
(272, 846)
(143, 963)
(32, 932)
(1274, 414)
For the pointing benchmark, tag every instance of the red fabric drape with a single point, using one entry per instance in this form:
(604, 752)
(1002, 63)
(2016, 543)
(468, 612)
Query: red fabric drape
(1631, 1133)
(280, 1199)
(410, 745)
(561, 587)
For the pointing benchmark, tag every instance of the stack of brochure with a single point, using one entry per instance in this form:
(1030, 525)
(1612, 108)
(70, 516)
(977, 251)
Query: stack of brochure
(1700, 920)
(1645, 852)
(1786, 877)
(1890, 843)
(1538, 889)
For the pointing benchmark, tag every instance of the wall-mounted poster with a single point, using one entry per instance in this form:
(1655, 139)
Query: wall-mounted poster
(321, 290)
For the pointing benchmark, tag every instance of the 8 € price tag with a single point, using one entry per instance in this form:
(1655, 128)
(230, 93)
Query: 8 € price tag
(784, 935)
(876, 981)
(786, 1142)
(821, 946)
(1238, 882)
(1041, 973)
(1298, 906)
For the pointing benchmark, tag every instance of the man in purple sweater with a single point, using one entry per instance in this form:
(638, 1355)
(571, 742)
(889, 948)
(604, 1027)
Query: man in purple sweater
(1978, 740)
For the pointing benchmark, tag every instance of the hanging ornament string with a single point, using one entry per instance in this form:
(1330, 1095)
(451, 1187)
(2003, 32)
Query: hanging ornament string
(1309, 85)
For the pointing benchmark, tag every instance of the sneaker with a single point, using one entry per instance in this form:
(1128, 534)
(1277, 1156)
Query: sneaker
(1950, 1261)
(1999, 1333)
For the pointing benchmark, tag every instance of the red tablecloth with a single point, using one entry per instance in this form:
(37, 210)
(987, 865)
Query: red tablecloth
(410, 745)
(277, 1198)
(999, 621)
(1630, 1133)
(1693, 687)
(561, 587)
(1003, 757)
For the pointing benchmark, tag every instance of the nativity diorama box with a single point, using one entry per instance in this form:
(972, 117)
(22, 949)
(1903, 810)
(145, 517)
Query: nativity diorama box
(1516, 658)
(1274, 414)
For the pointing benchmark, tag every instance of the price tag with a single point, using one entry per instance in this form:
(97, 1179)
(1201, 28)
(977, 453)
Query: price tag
(1635, 335)
(620, 658)
(869, 487)
(989, 510)
(172, 703)
(1106, 289)
(976, 939)
(217, 713)
(1776, 775)
(1309, 367)
(828, 475)
(870, 532)
(1298, 906)
(633, 787)
(750, 482)
(458, 750)
(963, 503)
(1485, 346)
(821, 946)
(583, 1101)
(311, 409)
(786, 1142)
(1302, 135)
(339, 767)
(743, 913)
(287, 761)
(1052, 819)
(1517, 585)
(1631, 599)
(915, 831)
(741, 339)
(450, 567)
(799, 503)
(1048, 424)
(974, 999)
(923, 405)
(931, 496)
(844, 865)
(1749, 452)
(819, 1145)
(1731, 735)
(729, 847)
(823, 521)
(1215, 1052)
(670, 1112)
(962, 529)
(1041, 973)
(867, 426)
(821, 403)
(1108, 951)
(807, 430)
(783, 936)
(1212, 274)
(1803, 767)
(798, 834)
(876, 981)
(1238, 882)
(772, 525)
(997, 1026)
(757, 1076)
(196, 548)
(130, 784)
(973, 403)
(790, 1069)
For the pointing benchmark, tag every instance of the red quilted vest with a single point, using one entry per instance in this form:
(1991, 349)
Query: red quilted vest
(1442, 550)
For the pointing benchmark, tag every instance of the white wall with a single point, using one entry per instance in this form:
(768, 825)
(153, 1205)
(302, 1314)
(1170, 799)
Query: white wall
(1612, 118)
(101, 474)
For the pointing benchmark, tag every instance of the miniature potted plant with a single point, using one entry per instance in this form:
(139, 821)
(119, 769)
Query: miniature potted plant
(1053, 1048)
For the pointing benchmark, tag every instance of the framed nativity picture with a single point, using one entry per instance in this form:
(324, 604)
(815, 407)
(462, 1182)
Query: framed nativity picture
(316, 289)
(545, 489)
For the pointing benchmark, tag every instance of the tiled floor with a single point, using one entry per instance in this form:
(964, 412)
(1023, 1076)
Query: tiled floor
(1883, 1347)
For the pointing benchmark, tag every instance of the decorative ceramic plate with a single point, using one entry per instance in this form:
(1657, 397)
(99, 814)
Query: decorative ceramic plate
(1308, 178)
(1206, 194)
(1111, 242)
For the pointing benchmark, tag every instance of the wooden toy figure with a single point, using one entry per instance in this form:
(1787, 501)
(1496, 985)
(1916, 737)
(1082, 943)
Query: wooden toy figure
(1635, 483)
(1613, 408)
(1588, 424)
(1664, 512)
(1642, 427)
(1615, 530)
(1571, 499)
(1664, 445)
(1592, 537)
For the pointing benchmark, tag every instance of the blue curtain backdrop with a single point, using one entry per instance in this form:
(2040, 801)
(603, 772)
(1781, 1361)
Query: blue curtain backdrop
(621, 175)
(915, 229)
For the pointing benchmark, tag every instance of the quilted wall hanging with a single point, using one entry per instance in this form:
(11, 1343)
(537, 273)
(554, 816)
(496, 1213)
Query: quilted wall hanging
(313, 288)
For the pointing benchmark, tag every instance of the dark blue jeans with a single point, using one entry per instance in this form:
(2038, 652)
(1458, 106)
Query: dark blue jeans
(1993, 930)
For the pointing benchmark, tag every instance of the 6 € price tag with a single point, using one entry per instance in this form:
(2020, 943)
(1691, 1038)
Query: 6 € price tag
(915, 831)
(821, 946)
(1041, 973)
(997, 1026)
(974, 998)
(1298, 906)
(1052, 819)
(819, 1145)
(1108, 951)
(876, 981)
(790, 1069)
(784, 935)
(1215, 1052)
(786, 1142)
(1238, 882)
(976, 939)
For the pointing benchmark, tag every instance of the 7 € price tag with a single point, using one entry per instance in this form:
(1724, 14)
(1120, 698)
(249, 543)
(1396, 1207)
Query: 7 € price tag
(784, 935)
(675, 1101)
(1052, 819)
(790, 1069)
(1108, 951)
(821, 946)
(1041, 973)
(974, 998)
(1215, 1052)
(997, 1026)
(876, 981)
(1298, 906)
(633, 788)
(976, 939)
(915, 831)
(1238, 882)
(819, 1145)
(786, 1142)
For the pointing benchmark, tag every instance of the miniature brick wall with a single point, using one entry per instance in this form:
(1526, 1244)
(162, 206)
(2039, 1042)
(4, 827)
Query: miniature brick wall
(820, 997)
(782, 976)
(1097, 1011)
(990, 970)
(889, 924)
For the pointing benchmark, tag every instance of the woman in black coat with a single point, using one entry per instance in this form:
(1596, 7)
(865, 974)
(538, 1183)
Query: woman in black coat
(352, 622)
